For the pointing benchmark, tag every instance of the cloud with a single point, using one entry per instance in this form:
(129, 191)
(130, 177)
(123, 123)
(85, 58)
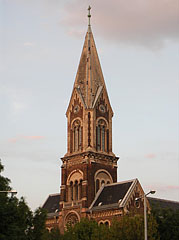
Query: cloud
(18, 138)
(148, 23)
(150, 155)
(172, 187)
(16, 96)
(164, 188)
(29, 44)
(18, 107)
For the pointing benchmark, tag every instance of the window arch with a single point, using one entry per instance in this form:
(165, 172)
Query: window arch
(76, 136)
(76, 190)
(105, 222)
(97, 184)
(80, 189)
(102, 136)
(72, 218)
(102, 177)
(74, 183)
(102, 182)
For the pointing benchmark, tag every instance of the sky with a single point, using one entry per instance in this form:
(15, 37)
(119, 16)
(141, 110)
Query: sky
(40, 47)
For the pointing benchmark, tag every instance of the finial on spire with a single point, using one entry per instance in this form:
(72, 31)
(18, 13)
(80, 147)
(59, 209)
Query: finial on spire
(89, 15)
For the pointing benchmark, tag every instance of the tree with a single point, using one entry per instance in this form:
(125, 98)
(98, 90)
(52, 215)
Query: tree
(132, 228)
(55, 234)
(84, 230)
(168, 222)
(128, 228)
(17, 221)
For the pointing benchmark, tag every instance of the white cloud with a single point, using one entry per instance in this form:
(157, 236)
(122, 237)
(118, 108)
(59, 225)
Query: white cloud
(18, 107)
(148, 23)
(29, 44)
(15, 97)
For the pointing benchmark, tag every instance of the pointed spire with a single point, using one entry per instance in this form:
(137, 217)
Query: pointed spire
(89, 19)
(89, 16)
(89, 79)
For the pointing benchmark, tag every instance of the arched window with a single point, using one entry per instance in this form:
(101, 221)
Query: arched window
(71, 191)
(97, 185)
(102, 136)
(77, 136)
(102, 182)
(106, 223)
(80, 189)
(74, 183)
(98, 138)
(102, 177)
(75, 190)
(71, 219)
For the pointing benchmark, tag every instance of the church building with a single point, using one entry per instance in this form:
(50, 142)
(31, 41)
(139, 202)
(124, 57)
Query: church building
(89, 187)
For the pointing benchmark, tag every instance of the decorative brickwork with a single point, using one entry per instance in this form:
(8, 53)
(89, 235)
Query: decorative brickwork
(89, 162)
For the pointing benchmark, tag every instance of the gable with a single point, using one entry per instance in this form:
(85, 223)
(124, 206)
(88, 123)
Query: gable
(102, 99)
(118, 195)
(76, 98)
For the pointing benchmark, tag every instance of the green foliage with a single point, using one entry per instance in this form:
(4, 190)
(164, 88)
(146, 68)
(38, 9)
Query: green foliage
(55, 235)
(128, 228)
(84, 230)
(4, 182)
(132, 228)
(168, 223)
(17, 221)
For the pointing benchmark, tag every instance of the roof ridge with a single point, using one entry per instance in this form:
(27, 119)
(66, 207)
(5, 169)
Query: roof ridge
(97, 195)
(116, 183)
(164, 200)
(54, 194)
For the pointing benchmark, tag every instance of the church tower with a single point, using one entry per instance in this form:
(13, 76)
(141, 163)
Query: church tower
(89, 162)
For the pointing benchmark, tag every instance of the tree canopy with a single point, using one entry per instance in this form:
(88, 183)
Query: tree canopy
(168, 222)
(128, 228)
(17, 221)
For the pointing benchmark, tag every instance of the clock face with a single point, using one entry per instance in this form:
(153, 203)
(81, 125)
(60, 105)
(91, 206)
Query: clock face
(76, 108)
(102, 108)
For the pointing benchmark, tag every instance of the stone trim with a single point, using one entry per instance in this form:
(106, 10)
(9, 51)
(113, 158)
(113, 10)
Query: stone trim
(85, 182)
(107, 213)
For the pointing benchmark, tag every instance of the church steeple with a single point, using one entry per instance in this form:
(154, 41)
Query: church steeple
(89, 112)
(89, 162)
(89, 80)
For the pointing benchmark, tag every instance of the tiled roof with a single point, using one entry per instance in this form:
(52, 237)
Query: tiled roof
(52, 203)
(110, 196)
(162, 203)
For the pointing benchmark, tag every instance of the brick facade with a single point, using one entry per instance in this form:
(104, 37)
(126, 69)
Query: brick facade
(89, 168)
(89, 161)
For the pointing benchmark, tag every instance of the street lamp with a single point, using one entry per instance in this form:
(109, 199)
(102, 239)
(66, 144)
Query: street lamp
(145, 210)
(13, 192)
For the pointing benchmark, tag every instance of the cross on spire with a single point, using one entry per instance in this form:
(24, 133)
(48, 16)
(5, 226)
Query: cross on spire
(89, 16)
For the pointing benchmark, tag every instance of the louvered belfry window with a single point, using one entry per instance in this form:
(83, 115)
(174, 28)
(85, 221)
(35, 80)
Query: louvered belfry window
(77, 136)
(102, 140)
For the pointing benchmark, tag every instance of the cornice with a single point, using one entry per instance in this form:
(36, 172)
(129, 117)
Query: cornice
(90, 155)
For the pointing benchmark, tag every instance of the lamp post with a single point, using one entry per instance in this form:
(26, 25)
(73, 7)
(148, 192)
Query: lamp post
(13, 192)
(145, 211)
